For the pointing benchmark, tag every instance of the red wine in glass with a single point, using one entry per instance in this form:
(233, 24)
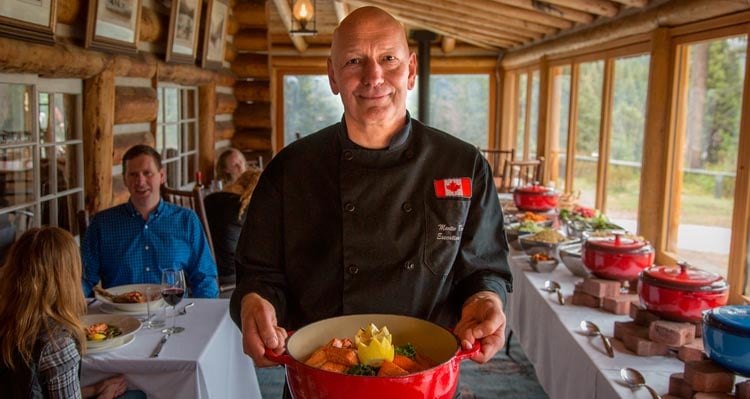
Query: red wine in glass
(172, 296)
(172, 290)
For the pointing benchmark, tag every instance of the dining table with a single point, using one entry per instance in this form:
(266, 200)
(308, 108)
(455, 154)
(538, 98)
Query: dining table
(568, 363)
(203, 361)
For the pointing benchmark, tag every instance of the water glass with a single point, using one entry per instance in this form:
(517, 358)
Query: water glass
(155, 316)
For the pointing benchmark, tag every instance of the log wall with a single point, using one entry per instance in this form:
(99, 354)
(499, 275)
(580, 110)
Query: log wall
(108, 104)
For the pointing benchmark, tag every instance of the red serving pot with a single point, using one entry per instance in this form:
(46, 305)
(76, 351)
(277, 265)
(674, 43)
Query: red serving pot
(431, 340)
(681, 292)
(535, 198)
(616, 257)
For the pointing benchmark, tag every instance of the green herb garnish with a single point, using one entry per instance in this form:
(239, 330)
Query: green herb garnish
(407, 350)
(362, 369)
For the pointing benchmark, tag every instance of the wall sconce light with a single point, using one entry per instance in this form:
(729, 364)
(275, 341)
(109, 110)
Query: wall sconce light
(303, 17)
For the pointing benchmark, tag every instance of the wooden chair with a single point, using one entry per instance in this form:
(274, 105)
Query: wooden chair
(521, 173)
(496, 159)
(192, 199)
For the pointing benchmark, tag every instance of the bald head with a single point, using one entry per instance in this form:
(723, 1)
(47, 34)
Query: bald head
(368, 21)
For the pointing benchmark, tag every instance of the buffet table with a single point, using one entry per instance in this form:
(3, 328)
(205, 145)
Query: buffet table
(569, 364)
(204, 361)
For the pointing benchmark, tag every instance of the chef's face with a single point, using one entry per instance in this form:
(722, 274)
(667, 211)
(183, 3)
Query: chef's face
(372, 68)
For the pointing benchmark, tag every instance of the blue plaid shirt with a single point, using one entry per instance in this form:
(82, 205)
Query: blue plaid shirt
(120, 248)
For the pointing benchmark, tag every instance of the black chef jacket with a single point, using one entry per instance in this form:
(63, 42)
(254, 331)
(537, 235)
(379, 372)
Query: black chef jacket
(334, 228)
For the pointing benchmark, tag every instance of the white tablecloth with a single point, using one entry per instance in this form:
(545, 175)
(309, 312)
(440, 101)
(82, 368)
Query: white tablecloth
(204, 361)
(568, 363)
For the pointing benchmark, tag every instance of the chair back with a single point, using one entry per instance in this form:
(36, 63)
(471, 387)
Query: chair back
(521, 173)
(192, 199)
(497, 158)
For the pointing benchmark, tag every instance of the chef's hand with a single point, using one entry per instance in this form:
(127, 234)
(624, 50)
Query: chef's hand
(483, 319)
(260, 330)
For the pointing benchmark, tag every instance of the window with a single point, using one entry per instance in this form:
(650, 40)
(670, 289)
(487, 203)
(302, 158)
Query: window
(558, 129)
(177, 134)
(587, 131)
(710, 94)
(309, 105)
(41, 155)
(527, 114)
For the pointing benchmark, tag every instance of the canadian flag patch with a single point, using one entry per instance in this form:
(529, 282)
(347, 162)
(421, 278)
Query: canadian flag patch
(459, 187)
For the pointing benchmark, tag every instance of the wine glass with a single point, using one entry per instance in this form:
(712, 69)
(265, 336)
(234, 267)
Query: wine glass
(172, 290)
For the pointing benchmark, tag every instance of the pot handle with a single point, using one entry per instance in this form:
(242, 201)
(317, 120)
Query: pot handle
(468, 353)
(283, 358)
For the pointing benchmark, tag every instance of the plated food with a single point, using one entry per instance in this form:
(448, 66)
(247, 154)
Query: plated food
(108, 330)
(130, 298)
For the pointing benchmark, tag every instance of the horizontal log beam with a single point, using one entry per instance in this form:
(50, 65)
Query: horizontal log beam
(135, 104)
(63, 60)
(225, 104)
(122, 142)
(252, 116)
(549, 9)
(252, 139)
(251, 66)
(250, 14)
(223, 130)
(251, 39)
(253, 90)
(604, 8)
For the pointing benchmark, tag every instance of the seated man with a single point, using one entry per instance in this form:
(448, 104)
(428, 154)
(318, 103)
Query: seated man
(133, 242)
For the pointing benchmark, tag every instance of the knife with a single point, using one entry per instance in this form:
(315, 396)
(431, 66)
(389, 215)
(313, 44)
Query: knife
(160, 345)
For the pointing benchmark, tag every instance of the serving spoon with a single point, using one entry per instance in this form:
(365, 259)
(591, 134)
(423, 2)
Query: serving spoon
(591, 330)
(554, 286)
(634, 379)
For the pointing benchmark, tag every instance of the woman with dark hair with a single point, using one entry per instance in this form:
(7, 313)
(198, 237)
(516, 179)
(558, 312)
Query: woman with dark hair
(225, 212)
(41, 305)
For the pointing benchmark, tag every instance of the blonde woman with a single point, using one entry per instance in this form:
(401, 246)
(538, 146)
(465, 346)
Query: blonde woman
(41, 335)
(225, 212)
(230, 165)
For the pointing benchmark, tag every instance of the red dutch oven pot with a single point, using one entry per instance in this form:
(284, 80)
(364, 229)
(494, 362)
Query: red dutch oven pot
(616, 257)
(681, 292)
(431, 340)
(535, 198)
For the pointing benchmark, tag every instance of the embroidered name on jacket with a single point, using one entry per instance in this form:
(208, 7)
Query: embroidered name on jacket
(459, 187)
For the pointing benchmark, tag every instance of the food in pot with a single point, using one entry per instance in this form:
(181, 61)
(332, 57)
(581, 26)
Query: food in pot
(102, 331)
(540, 257)
(371, 354)
(532, 217)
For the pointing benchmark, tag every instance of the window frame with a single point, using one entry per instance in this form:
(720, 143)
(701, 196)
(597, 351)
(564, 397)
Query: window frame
(51, 86)
(185, 179)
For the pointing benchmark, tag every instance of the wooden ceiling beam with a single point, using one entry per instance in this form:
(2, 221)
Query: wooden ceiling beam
(285, 13)
(604, 8)
(438, 11)
(549, 9)
(632, 3)
(504, 13)
(408, 13)
(407, 19)
(342, 10)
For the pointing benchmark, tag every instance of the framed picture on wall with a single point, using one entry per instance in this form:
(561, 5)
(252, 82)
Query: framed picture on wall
(29, 19)
(184, 23)
(214, 34)
(113, 25)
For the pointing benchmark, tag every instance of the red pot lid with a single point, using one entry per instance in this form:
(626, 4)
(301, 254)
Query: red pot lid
(616, 243)
(685, 277)
(534, 189)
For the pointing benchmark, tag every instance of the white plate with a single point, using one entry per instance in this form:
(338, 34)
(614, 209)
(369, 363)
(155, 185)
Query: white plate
(128, 325)
(131, 307)
(110, 347)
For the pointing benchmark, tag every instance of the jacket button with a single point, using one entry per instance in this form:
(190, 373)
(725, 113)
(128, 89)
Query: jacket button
(408, 265)
(348, 155)
(352, 269)
(406, 206)
(349, 207)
